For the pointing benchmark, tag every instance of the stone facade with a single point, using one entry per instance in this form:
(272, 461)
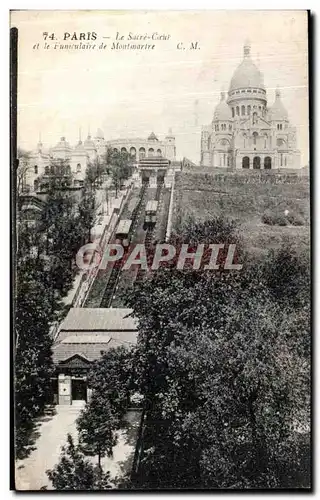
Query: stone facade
(244, 132)
(147, 148)
(79, 156)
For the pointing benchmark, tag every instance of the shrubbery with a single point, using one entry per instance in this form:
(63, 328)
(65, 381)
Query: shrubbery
(280, 219)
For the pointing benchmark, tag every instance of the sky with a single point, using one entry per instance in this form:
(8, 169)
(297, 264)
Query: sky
(130, 93)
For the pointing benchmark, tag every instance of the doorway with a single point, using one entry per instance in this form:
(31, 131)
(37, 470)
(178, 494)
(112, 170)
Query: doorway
(79, 390)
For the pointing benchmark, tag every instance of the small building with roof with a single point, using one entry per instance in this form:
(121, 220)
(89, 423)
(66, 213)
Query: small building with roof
(245, 133)
(83, 337)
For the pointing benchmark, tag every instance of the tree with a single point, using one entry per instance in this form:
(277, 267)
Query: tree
(94, 173)
(96, 425)
(23, 168)
(74, 472)
(225, 382)
(33, 362)
(111, 381)
(86, 210)
(121, 167)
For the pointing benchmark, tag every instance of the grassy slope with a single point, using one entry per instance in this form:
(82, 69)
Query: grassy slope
(204, 195)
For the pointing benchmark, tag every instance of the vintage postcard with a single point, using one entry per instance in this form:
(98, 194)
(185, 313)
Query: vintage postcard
(161, 250)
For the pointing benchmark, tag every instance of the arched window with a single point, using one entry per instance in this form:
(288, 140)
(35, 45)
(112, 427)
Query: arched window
(267, 162)
(232, 109)
(36, 169)
(281, 160)
(46, 170)
(249, 110)
(123, 150)
(237, 110)
(256, 162)
(78, 167)
(36, 185)
(150, 152)
(217, 128)
(285, 161)
(133, 152)
(255, 136)
(243, 110)
(265, 141)
(68, 170)
(115, 150)
(52, 170)
(246, 162)
(159, 153)
(142, 153)
(230, 126)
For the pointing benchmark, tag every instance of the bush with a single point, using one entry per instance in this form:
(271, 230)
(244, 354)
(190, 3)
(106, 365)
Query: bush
(272, 219)
(296, 220)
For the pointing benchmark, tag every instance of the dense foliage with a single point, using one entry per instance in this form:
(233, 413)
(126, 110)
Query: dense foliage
(223, 365)
(75, 472)
(45, 270)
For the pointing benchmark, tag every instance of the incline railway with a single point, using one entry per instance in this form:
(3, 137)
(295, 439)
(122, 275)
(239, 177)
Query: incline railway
(137, 225)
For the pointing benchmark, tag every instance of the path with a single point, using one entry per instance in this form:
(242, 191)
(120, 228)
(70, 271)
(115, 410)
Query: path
(31, 472)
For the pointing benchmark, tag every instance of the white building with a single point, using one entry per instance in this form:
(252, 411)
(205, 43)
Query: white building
(245, 132)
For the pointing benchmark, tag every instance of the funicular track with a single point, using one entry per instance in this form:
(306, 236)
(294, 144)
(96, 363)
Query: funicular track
(150, 232)
(116, 269)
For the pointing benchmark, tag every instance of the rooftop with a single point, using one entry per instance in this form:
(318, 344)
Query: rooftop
(89, 345)
(95, 319)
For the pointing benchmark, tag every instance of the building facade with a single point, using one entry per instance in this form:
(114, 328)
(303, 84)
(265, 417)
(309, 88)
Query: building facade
(83, 337)
(147, 148)
(245, 132)
(77, 158)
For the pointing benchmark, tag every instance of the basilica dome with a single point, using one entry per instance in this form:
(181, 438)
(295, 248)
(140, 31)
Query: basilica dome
(278, 111)
(222, 111)
(247, 75)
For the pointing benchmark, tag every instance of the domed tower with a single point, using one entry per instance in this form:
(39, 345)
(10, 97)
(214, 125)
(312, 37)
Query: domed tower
(284, 135)
(247, 93)
(278, 113)
(220, 142)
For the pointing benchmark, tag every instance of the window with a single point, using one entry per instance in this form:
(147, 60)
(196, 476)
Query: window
(245, 162)
(232, 112)
(255, 135)
(78, 167)
(237, 110)
(36, 169)
(249, 110)
(243, 110)
(230, 126)
(46, 170)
